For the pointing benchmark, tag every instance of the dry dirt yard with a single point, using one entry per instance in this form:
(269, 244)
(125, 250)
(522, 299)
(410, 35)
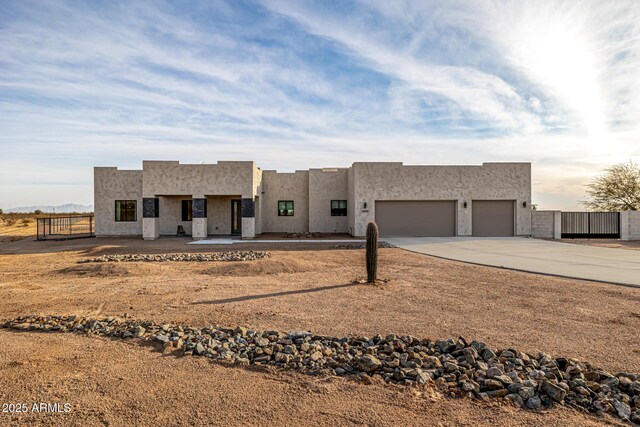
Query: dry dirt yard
(301, 287)
(16, 227)
(607, 243)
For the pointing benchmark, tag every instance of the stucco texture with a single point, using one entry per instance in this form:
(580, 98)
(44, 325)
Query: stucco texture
(311, 191)
(219, 214)
(111, 184)
(163, 178)
(285, 186)
(630, 225)
(395, 181)
(326, 185)
(171, 216)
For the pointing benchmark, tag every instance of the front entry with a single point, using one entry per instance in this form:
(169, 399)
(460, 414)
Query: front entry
(236, 217)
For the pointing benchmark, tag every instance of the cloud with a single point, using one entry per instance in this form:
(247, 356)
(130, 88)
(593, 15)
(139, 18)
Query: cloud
(297, 84)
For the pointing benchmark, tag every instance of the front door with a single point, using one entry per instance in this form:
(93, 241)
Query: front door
(236, 216)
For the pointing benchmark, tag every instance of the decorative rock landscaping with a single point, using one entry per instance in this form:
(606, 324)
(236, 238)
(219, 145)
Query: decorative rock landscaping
(382, 245)
(189, 257)
(455, 367)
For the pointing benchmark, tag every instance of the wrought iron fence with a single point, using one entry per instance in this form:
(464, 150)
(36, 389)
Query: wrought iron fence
(65, 227)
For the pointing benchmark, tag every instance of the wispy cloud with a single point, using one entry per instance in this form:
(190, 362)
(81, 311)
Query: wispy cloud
(308, 84)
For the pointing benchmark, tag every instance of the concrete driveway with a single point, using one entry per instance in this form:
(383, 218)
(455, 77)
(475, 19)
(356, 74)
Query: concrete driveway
(619, 266)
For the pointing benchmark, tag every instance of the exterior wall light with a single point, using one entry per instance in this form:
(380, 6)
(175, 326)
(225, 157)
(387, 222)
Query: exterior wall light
(464, 205)
(364, 205)
(524, 204)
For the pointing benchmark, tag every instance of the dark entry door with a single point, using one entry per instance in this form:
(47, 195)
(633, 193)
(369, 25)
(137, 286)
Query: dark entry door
(236, 216)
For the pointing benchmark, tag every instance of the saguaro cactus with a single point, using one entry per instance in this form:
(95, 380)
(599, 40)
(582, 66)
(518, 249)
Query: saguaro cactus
(372, 252)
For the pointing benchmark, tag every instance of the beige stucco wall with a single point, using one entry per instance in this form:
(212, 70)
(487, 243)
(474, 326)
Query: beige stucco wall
(630, 225)
(257, 182)
(171, 216)
(174, 179)
(326, 185)
(351, 202)
(311, 191)
(219, 214)
(111, 184)
(394, 181)
(285, 186)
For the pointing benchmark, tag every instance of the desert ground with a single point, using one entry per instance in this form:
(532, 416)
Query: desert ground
(300, 287)
(607, 243)
(16, 227)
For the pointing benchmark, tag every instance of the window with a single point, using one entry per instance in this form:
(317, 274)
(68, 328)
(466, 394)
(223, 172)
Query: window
(187, 210)
(126, 211)
(285, 207)
(338, 208)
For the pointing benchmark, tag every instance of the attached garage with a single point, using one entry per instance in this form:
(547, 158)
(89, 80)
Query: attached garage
(416, 218)
(492, 218)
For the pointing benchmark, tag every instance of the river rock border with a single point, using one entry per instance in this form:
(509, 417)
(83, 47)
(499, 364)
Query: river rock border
(381, 245)
(455, 367)
(185, 257)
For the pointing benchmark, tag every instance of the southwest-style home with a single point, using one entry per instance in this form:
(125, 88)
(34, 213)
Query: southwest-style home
(238, 198)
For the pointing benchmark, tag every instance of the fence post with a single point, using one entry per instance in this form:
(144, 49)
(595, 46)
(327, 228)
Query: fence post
(557, 224)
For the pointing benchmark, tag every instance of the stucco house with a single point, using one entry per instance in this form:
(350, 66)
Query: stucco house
(238, 198)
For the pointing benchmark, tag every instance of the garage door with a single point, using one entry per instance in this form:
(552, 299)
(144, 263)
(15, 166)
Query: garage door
(416, 218)
(492, 218)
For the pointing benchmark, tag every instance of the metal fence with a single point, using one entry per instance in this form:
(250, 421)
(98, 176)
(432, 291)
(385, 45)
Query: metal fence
(65, 227)
(591, 225)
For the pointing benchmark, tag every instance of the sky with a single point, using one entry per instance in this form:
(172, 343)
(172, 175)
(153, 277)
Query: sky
(298, 85)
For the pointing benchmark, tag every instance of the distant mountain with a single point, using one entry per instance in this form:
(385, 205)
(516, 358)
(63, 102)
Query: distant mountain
(68, 208)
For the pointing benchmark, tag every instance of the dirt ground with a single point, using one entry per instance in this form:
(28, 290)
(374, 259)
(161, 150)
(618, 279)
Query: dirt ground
(607, 243)
(301, 287)
(16, 227)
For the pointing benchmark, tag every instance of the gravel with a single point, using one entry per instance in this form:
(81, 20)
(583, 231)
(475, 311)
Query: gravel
(455, 367)
(188, 257)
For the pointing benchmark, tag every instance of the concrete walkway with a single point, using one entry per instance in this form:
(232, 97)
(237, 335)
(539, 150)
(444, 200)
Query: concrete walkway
(619, 266)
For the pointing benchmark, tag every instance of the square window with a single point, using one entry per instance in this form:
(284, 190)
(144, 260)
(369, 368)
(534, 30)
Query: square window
(187, 210)
(338, 208)
(285, 207)
(126, 211)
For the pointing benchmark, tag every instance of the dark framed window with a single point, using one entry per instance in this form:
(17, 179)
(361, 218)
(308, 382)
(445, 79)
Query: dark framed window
(285, 207)
(338, 208)
(126, 210)
(187, 210)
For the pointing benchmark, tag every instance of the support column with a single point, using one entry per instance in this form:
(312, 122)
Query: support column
(624, 225)
(463, 219)
(557, 224)
(150, 218)
(248, 213)
(199, 218)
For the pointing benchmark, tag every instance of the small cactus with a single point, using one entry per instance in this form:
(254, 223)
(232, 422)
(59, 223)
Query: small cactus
(372, 252)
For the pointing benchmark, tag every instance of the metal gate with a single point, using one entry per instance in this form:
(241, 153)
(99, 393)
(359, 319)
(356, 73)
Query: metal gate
(592, 225)
(66, 227)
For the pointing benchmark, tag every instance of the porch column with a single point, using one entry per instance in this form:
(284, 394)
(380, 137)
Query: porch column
(150, 215)
(248, 212)
(199, 218)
